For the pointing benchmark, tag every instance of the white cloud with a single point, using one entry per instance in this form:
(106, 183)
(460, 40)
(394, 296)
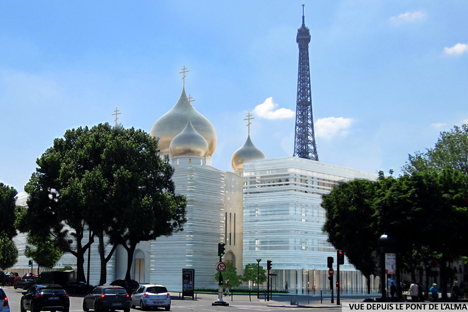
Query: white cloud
(270, 110)
(457, 49)
(438, 125)
(408, 17)
(327, 128)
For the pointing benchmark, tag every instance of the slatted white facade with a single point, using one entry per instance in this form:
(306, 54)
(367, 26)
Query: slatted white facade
(283, 217)
(196, 247)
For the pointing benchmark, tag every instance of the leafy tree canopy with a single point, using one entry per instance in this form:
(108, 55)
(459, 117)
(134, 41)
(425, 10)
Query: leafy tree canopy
(451, 150)
(254, 273)
(43, 251)
(8, 252)
(231, 275)
(108, 179)
(7, 210)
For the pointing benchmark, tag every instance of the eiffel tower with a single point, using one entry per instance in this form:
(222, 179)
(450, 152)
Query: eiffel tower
(304, 139)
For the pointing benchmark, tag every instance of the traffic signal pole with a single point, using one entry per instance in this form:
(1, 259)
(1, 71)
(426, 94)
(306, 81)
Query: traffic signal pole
(220, 300)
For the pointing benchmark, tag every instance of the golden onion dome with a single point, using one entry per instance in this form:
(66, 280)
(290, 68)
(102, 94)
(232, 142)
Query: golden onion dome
(174, 121)
(247, 152)
(188, 143)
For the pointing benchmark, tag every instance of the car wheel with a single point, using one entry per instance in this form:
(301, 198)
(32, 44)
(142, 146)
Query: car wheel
(32, 307)
(126, 310)
(84, 307)
(168, 308)
(21, 306)
(142, 305)
(95, 307)
(15, 286)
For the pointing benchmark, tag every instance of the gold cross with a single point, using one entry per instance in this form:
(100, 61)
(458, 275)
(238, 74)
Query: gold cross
(116, 113)
(189, 99)
(249, 117)
(184, 70)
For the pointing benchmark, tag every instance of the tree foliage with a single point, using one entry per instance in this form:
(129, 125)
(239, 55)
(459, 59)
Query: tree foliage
(425, 212)
(8, 252)
(44, 252)
(7, 210)
(254, 273)
(231, 275)
(110, 180)
(451, 150)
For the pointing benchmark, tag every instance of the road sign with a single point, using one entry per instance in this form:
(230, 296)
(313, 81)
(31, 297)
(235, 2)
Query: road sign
(221, 267)
(330, 271)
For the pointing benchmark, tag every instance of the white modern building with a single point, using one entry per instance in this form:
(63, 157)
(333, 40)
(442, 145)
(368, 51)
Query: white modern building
(283, 221)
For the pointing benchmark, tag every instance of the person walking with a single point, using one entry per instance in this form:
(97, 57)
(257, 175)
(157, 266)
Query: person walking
(227, 289)
(392, 291)
(455, 291)
(434, 292)
(414, 291)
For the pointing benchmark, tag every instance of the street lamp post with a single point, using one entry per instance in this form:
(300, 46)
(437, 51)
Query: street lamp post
(258, 278)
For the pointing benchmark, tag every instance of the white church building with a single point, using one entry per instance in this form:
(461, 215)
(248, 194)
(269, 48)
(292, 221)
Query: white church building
(265, 209)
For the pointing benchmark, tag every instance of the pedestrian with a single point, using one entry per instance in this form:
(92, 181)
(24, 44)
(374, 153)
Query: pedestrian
(227, 289)
(414, 291)
(392, 290)
(455, 291)
(420, 292)
(434, 292)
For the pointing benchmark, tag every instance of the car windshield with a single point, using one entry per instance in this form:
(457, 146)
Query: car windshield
(117, 291)
(52, 290)
(156, 289)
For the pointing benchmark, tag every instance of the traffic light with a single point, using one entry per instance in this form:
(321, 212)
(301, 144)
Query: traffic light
(221, 249)
(337, 284)
(268, 265)
(340, 257)
(330, 278)
(30, 263)
(330, 262)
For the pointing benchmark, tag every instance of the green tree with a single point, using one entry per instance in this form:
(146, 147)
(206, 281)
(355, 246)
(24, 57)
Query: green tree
(231, 275)
(254, 273)
(110, 180)
(8, 252)
(451, 150)
(351, 223)
(7, 210)
(413, 209)
(43, 251)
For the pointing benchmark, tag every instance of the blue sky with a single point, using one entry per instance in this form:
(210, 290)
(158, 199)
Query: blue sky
(387, 76)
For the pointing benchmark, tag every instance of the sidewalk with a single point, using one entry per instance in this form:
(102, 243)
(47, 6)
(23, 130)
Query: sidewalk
(284, 301)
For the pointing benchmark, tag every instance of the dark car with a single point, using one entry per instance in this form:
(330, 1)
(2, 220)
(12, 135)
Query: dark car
(25, 283)
(107, 297)
(45, 297)
(130, 285)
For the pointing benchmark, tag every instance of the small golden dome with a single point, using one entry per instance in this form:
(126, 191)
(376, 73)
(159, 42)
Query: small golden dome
(188, 143)
(247, 152)
(174, 121)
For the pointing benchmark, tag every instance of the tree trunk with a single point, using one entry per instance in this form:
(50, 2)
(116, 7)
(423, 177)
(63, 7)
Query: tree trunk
(443, 279)
(103, 258)
(130, 252)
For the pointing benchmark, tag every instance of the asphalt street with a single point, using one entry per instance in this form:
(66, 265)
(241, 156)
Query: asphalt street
(202, 303)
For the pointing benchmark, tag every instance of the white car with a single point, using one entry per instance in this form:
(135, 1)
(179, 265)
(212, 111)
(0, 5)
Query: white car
(151, 296)
(4, 305)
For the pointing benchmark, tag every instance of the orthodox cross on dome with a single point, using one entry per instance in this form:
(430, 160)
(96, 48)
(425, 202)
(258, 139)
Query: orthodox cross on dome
(249, 118)
(184, 70)
(189, 99)
(116, 115)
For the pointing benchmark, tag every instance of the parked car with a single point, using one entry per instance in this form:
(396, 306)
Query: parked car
(45, 297)
(107, 297)
(4, 304)
(25, 283)
(151, 296)
(129, 285)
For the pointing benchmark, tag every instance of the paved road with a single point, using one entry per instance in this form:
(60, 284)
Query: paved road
(203, 303)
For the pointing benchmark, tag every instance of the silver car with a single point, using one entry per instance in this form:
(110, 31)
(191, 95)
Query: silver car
(151, 296)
